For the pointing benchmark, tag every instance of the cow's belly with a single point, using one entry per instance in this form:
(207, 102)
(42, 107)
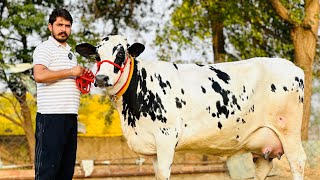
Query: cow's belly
(218, 136)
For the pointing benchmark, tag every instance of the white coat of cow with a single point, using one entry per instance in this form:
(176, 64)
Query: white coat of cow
(222, 109)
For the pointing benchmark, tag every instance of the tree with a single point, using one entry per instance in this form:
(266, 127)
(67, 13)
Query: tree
(113, 16)
(23, 22)
(304, 20)
(15, 30)
(252, 28)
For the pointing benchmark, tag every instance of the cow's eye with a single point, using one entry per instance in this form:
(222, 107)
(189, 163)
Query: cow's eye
(105, 39)
(114, 49)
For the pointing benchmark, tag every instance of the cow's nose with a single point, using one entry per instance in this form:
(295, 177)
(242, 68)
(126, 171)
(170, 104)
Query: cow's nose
(102, 81)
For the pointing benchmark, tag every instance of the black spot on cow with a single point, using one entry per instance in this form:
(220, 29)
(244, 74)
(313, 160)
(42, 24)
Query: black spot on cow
(235, 102)
(244, 89)
(237, 136)
(120, 58)
(238, 119)
(243, 121)
(175, 66)
(273, 88)
(168, 83)
(217, 88)
(143, 73)
(219, 125)
(185, 125)
(226, 95)
(300, 99)
(285, 88)
(178, 103)
(300, 82)
(203, 89)
(182, 91)
(138, 102)
(251, 109)
(136, 133)
(163, 84)
(222, 109)
(114, 49)
(213, 115)
(151, 78)
(208, 109)
(165, 131)
(145, 114)
(221, 75)
(200, 65)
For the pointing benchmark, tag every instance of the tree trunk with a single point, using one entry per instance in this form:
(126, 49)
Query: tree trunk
(218, 42)
(304, 43)
(304, 39)
(28, 129)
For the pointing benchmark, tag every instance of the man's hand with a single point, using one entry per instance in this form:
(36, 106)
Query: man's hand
(77, 71)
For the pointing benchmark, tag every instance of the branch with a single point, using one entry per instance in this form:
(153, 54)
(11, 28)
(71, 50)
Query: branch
(11, 119)
(13, 105)
(311, 20)
(15, 39)
(281, 10)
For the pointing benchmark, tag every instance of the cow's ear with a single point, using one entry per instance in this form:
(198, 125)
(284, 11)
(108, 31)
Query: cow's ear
(86, 50)
(136, 49)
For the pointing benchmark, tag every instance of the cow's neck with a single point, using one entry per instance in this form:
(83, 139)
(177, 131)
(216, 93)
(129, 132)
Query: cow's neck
(130, 97)
(139, 101)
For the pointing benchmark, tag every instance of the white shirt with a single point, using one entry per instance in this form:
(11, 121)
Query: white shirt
(62, 96)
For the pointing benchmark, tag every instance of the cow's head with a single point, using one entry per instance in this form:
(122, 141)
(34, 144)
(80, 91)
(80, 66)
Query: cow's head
(111, 55)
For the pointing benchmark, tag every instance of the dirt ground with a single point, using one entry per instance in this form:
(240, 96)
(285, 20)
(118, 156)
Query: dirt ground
(116, 151)
(117, 148)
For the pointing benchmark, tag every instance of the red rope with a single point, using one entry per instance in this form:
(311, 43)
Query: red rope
(84, 82)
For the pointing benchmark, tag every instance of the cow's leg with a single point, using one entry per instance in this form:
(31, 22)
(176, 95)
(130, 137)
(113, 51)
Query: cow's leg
(289, 132)
(263, 167)
(155, 165)
(163, 163)
(295, 155)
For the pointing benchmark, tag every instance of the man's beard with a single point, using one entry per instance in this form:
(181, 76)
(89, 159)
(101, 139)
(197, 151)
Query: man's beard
(62, 40)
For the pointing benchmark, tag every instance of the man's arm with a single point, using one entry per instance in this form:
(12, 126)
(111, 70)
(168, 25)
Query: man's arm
(43, 75)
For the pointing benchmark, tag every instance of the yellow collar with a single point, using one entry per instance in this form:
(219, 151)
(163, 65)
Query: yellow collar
(126, 85)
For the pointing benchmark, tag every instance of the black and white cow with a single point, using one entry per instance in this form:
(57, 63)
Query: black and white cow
(222, 109)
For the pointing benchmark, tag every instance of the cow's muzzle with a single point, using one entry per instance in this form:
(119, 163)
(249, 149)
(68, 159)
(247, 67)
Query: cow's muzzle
(102, 81)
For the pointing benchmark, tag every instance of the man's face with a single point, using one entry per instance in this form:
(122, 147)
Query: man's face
(60, 29)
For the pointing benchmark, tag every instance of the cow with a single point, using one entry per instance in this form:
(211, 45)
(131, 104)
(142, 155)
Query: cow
(253, 105)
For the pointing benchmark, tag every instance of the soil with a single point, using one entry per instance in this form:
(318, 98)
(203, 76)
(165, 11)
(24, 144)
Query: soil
(121, 159)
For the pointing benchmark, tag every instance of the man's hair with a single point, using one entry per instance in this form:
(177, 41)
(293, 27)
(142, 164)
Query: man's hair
(59, 12)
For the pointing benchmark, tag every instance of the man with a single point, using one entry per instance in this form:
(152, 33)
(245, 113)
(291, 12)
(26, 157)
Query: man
(55, 69)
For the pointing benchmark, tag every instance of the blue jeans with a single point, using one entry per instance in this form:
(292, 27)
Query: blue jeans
(56, 146)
